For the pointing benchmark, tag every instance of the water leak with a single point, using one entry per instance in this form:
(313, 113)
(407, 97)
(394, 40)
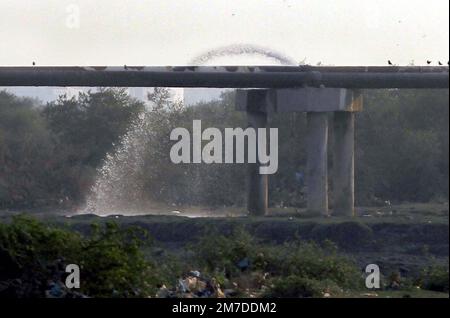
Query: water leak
(236, 50)
(119, 178)
(120, 181)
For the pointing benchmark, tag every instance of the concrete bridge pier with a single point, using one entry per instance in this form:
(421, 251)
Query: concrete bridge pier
(317, 163)
(344, 164)
(318, 103)
(257, 105)
(257, 184)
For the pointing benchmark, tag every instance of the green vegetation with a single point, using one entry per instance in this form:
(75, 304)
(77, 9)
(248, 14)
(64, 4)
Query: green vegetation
(295, 269)
(436, 278)
(402, 139)
(123, 261)
(49, 153)
(111, 259)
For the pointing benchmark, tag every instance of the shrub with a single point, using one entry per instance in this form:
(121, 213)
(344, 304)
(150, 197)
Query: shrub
(111, 259)
(436, 278)
(30, 243)
(113, 264)
(217, 252)
(310, 261)
(307, 261)
(300, 287)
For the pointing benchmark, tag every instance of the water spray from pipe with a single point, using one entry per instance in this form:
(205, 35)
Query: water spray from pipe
(119, 183)
(239, 50)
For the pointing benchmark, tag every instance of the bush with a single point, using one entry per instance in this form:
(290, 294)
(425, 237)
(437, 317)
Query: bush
(113, 264)
(436, 278)
(308, 260)
(300, 287)
(111, 259)
(217, 252)
(31, 244)
(305, 261)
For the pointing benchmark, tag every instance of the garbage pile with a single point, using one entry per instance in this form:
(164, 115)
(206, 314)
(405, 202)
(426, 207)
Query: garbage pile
(194, 285)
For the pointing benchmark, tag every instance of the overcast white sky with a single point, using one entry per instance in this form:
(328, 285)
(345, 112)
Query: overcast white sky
(169, 32)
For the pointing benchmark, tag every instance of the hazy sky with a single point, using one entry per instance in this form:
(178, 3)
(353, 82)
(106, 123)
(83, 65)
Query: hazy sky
(169, 32)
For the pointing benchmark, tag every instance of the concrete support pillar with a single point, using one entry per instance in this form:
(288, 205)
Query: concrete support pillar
(257, 184)
(316, 170)
(344, 164)
(318, 103)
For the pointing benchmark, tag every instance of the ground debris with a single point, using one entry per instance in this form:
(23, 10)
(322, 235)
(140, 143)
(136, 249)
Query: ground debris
(195, 285)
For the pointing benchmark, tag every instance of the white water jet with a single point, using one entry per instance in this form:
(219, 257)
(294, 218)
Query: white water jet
(240, 50)
(120, 181)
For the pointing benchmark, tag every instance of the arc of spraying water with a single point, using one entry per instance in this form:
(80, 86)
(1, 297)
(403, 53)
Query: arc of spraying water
(241, 49)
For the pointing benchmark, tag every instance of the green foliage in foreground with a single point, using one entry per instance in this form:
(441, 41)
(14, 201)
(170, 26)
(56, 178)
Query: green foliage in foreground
(296, 269)
(436, 278)
(110, 259)
(123, 262)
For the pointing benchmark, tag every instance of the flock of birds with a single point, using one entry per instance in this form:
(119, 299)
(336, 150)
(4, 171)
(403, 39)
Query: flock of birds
(428, 63)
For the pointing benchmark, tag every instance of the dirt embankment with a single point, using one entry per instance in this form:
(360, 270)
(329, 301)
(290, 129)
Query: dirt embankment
(349, 235)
